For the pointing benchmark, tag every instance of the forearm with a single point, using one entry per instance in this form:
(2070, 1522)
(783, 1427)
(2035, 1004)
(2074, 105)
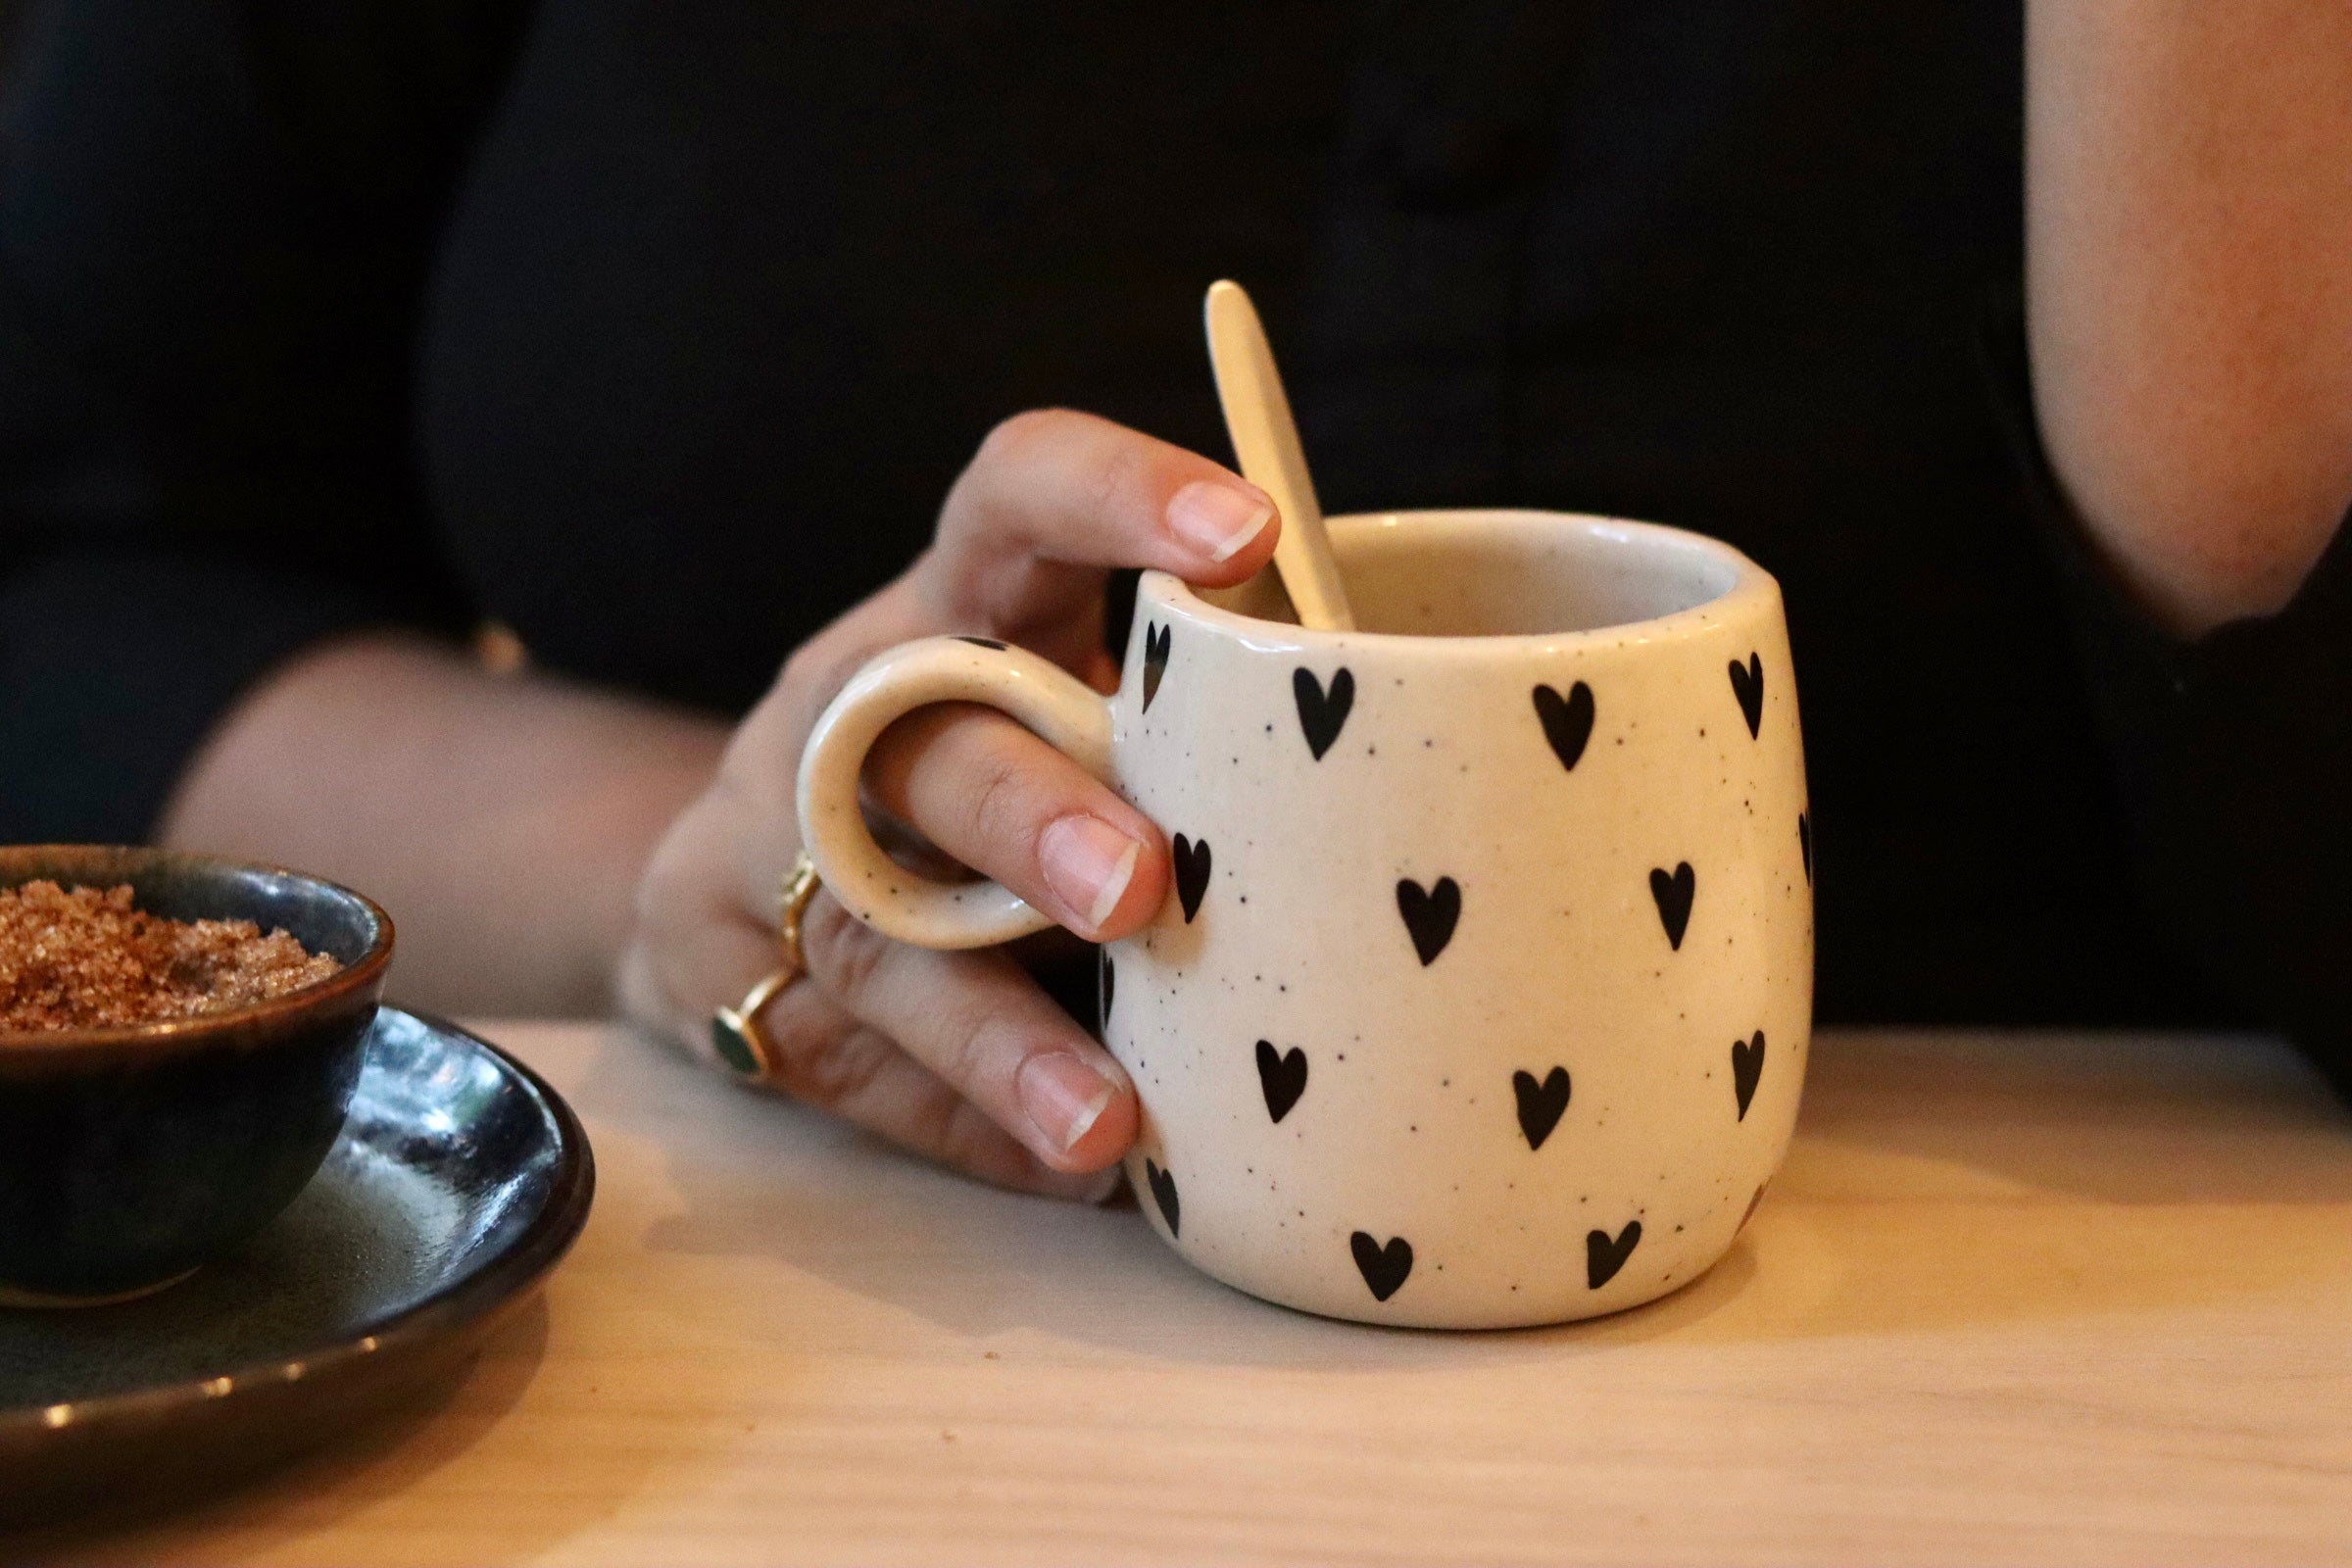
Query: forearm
(2188, 185)
(503, 821)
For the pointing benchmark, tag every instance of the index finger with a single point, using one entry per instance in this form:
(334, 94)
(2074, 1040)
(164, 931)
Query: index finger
(1069, 487)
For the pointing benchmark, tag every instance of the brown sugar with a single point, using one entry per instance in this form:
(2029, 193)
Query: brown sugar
(87, 958)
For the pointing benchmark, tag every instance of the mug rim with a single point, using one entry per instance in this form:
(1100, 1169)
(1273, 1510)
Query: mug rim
(1753, 591)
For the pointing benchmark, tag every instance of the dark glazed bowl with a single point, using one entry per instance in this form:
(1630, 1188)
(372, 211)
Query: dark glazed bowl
(130, 1157)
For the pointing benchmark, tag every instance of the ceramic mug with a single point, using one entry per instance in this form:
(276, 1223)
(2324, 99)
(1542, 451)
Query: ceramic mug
(1483, 994)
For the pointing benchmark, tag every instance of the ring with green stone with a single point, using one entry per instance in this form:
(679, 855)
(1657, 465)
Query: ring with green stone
(735, 1031)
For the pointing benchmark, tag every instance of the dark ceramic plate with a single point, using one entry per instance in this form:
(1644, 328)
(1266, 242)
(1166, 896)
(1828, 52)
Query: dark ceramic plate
(459, 1181)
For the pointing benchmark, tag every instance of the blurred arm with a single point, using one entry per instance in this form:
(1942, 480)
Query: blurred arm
(2189, 287)
(503, 821)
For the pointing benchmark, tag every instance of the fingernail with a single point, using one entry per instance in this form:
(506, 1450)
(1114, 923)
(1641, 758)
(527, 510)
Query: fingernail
(1064, 1097)
(1088, 864)
(1217, 519)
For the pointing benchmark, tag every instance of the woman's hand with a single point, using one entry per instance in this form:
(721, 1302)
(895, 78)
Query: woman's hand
(958, 1056)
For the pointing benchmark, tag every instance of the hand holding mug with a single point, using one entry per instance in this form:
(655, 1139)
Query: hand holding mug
(958, 1056)
(1484, 992)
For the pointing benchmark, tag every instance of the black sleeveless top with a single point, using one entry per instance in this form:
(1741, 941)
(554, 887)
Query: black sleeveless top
(604, 320)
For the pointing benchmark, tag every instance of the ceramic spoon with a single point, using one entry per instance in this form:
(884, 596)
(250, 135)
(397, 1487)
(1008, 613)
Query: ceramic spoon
(1257, 415)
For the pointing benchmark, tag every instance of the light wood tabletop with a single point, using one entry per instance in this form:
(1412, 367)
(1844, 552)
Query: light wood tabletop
(2027, 1298)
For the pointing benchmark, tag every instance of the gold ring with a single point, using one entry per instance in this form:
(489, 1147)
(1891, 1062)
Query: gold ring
(800, 886)
(736, 1035)
(735, 1032)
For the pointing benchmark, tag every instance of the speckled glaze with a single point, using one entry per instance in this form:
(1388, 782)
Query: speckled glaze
(130, 1156)
(1487, 1002)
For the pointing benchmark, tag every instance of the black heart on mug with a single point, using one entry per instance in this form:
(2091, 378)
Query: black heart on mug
(1429, 916)
(1192, 874)
(1383, 1268)
(1155, 660)
(1603, 1258)
(1747, 684)
(1747, 1065)
(1282, 1075)
(1163, 1191)
(1320, 714)
(1567, 721)
(1539, 1103)
(1673, 894)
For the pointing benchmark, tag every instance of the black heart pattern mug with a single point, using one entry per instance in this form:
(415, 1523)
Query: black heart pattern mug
(1484, 992)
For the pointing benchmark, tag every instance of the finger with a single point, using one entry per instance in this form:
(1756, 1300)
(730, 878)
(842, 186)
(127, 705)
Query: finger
(824, 1056)
(996, 798)
(1068, 488)
(830, 1060)
(984, 1027)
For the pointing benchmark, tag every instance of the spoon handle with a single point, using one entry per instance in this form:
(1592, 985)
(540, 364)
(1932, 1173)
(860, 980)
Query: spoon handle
(1257, 415)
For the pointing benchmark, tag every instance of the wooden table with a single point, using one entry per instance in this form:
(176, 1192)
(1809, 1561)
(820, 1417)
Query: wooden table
(2026, 1297)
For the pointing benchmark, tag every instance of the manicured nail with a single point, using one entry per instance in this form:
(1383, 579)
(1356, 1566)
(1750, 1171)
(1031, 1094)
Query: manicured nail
(1064, 1097)
(1088, 864)
(1218, 520)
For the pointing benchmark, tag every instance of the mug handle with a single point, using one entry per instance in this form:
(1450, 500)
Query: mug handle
(1062, 709)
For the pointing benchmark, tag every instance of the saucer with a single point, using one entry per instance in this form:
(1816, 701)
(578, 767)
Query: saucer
(459, 1181)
